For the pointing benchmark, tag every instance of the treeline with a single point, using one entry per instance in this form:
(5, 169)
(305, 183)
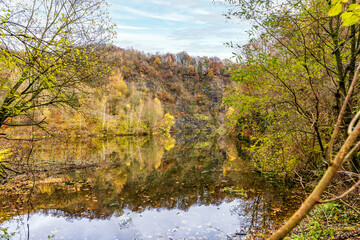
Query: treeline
(167, 65)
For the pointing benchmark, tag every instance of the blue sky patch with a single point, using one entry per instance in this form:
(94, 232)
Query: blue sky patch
(195, 26)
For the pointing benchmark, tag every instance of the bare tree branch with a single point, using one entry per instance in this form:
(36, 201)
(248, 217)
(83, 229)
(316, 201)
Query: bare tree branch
(342, 195)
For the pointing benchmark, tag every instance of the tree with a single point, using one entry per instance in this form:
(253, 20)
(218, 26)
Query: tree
(310, 37)
(301, 64)
(49, 50)
(348, 148)
(350, 145)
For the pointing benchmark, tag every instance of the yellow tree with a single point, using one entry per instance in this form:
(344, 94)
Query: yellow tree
(49, 50)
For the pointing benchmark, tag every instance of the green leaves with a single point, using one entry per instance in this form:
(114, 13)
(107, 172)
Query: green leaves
(349, 17)
(335, 10)
(334, 2)
(353, 7)
(54, 63)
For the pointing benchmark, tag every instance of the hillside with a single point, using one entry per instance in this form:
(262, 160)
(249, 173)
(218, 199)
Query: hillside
(191, 89)
(141, 94)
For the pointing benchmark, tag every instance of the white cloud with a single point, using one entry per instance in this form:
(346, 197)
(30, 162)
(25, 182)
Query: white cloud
(161, 43)
(202, 12)
(130, 27)
(197, 27)
(169, 17)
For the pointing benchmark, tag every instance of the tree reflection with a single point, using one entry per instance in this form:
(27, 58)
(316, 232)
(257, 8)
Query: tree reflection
(99, 179)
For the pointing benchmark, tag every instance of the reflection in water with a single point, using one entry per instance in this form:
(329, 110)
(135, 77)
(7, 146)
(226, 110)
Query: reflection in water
(194, 187)
(200, 222)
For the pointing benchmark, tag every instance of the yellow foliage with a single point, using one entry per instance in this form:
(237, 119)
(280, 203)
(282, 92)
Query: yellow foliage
(156, 61)
(157, 101)
(168, 122)
(226, 169)
(118, 84)
(169, 142)
(190, 69)
(122, 87)
(5, 153)
(158, 161)
(232, 154)
(154, 113)
(210, 73)
(157, 108)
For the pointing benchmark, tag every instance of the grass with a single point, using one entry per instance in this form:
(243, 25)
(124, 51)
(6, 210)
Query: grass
(327, 221)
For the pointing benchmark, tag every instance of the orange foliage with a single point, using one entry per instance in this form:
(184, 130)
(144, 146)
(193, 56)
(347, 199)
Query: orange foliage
(165, 97)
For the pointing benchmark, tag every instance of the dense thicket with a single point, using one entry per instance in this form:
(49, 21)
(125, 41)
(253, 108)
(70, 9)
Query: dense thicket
(294, 76)
(297, 94)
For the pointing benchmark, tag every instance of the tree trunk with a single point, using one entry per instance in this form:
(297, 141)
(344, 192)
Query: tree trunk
(315, 196)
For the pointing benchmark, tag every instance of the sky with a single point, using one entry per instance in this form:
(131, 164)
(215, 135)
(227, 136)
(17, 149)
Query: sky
(195, 26)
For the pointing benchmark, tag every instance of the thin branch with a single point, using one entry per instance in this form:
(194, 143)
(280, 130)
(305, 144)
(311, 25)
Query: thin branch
(341, 115)
(352, 123)
(333, 168)
(351, 173)
(342, 195)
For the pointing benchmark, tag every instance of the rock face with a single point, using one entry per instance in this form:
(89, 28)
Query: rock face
(199, 109)
(190, 89)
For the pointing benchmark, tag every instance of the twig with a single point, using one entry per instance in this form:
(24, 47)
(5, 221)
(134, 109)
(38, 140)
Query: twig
(342, 195)
(333, 168)
(301, 182)
(351, 173)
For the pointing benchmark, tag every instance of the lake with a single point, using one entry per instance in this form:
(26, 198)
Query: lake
(184, 186)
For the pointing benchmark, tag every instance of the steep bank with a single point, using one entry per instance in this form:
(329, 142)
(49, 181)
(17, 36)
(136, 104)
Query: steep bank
(190, 89)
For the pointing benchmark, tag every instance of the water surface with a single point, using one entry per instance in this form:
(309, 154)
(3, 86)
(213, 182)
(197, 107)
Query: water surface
(187, 186)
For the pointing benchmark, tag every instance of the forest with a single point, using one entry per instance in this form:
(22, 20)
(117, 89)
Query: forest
(91, 130)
